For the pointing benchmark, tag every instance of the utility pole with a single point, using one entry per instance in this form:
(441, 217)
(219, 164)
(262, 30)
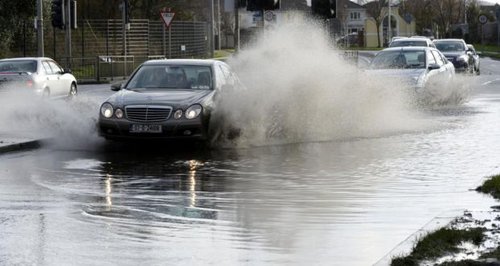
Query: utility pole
(212, 41)
(236, 26)
(389, 31)
(39, 27)
(219, 21)
(68, 32)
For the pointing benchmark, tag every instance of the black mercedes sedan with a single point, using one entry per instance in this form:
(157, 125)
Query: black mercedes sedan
(166, 99)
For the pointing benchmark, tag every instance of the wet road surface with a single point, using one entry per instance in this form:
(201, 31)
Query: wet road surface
(342, 202)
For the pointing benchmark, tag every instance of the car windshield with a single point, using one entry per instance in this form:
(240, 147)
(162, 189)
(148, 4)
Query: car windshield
(172, 77)
(399, 59)
(18, 66)
(450, 46)
(408, 43)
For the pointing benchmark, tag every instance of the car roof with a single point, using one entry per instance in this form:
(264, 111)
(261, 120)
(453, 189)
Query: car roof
(26, 58)
(412, 38)
(199, 62)
(452, 40)
(408, 48)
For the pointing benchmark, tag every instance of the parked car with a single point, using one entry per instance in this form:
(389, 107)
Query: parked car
(420, 67)
(458, 53)
(166, 99)
(43, 75)
(350, 40)
(412, 41)
(475, 56)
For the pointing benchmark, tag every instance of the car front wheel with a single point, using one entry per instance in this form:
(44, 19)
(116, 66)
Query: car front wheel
(72, 90)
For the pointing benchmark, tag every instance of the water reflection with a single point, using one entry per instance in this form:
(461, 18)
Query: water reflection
(160, 189)
(307, 203)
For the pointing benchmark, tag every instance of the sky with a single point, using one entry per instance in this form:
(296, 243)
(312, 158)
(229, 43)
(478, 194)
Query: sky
(493, 1)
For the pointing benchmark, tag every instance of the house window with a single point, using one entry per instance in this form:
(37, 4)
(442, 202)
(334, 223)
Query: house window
(355, 16)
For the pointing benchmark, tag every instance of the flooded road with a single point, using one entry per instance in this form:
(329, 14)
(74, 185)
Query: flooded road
(348, 201)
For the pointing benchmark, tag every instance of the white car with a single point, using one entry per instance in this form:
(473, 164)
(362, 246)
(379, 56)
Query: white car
(43, 75)
(412, 41)
(422, 68)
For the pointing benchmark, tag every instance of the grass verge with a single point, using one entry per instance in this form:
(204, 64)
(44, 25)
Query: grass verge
(439, 243)
(491, 186)
(445, 241)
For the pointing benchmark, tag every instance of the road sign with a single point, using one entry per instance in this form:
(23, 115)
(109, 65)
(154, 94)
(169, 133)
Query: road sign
(483, 19)
(167, 17)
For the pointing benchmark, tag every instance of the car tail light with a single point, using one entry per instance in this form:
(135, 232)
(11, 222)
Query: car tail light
(29, 83)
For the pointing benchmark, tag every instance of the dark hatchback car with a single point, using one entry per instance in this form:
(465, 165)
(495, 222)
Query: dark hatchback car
(166, 99)
(475, 56)
(457, 52)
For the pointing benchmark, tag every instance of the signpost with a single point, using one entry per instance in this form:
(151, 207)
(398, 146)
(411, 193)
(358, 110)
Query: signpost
(482, 19)
(167, 16)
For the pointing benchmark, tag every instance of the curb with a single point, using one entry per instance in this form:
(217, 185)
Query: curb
(25, 145)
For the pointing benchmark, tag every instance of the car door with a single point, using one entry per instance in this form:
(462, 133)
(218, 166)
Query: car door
(435, 70)
(444, 73)
(50, 79)
(60, 84)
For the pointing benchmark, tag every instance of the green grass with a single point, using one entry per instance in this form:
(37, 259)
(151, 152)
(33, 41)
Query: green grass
(223, 53)
(438, 244)
(488, 50)
(491, 186)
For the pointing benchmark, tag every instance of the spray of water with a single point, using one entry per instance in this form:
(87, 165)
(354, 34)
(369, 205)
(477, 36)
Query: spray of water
(299, 88)
(63, 123)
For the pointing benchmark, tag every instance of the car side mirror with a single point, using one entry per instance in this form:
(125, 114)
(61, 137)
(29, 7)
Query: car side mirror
(116, 86)
(433, 66)
(67, 71)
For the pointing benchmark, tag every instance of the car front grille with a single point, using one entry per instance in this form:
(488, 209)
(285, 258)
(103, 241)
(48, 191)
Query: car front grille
(144, 113)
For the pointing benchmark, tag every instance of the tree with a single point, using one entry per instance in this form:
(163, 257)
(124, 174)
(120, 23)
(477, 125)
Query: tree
(422, 11)
(13, 15)
(473, 11)
(448, 12)
(375, 10)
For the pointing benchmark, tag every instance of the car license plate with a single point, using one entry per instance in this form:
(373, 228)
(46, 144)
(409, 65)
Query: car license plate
(138, 128)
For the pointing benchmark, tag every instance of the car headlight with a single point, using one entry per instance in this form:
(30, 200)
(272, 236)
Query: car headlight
(462, 58)
(178, 114)
(119, 113)
(193, 111)
(107, 110)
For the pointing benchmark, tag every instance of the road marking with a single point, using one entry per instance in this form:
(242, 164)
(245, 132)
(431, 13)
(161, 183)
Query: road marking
(489, 82)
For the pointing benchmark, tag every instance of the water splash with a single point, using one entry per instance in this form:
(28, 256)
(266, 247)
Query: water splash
(64, 123)
(300, 89)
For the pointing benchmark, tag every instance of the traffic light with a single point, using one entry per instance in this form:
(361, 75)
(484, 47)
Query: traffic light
(127, 11)
(324, 8)
(58, 14)
(73, 14)
(259, 5)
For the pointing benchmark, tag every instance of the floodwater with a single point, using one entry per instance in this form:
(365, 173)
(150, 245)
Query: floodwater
(342, 202)
(345, 191)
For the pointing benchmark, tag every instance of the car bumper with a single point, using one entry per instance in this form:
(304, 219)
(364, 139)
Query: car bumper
(460, 66)
(184, 129)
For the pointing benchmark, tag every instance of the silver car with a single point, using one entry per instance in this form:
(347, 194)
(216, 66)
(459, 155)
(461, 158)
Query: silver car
(422, 68)
(412, 41)
(42, 75)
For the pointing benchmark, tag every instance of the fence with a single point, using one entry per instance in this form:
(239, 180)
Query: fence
(98, 45)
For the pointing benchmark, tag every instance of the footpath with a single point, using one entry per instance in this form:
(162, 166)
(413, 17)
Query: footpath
(16, 141)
